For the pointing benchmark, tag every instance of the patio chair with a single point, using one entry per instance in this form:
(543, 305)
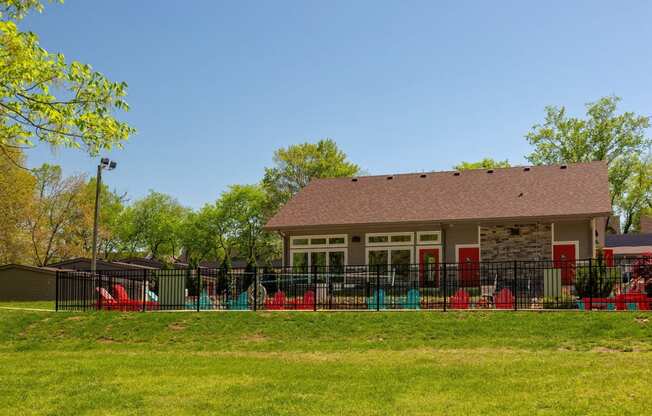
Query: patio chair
(377, 300)
(413, 300)
(307, 303)
(106, 301)
(504, 299)
(276, 303)
(131, 304)
(205, 302)
(241, 303)
(460, 300)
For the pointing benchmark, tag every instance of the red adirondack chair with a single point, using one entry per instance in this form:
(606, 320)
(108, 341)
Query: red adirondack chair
(276, 303)
(460, 300)
(504, 299)
(130, 304)
(106, 301)
(308, 301)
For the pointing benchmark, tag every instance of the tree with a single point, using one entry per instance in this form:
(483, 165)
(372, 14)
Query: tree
(16, 193)
(486, 163)
(56, 216)
(295, 166)
(45, 99)
(111, 207)
(618, 139)
(201, 236)
(153, 224)
(638, 196)
(245, 206)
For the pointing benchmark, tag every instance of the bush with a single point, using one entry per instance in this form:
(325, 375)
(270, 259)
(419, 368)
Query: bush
(561, 302)
(595, 281)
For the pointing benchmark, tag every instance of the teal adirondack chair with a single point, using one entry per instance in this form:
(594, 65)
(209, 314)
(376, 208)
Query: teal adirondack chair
(374, 301)
(239, 304)
(413, 300)
(205, 302)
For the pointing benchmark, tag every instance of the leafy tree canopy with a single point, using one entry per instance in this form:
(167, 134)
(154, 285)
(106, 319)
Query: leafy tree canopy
(153, 224)
(45, 99)
(295, 166)
(619, 139)
(486, 163)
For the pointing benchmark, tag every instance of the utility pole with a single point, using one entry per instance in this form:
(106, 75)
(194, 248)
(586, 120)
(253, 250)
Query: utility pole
(105, 163)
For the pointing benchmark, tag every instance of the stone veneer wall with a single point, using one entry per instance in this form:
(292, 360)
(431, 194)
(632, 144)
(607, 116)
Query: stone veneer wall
(533, 242)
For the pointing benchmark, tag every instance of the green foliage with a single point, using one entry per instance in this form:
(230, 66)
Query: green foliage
(16, 194)
(595, 281)
(332, 363)
(43, 98)
(153, 225)
(561, 302)
(295, 166)
(486, 163)
(619, 139)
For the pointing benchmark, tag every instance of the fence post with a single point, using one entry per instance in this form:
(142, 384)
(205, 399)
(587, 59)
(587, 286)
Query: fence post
(144, 290)
(198, 288)
(255, 288)
(56, 293)
(590, 284)
(377, 288)
(314, 285)
(515, 286)
(444, 282)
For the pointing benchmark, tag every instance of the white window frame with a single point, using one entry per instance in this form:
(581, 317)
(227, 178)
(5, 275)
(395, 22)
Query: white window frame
(389, 250)
(389, 242)
(311, 237)
(319, 250)
(429, 243)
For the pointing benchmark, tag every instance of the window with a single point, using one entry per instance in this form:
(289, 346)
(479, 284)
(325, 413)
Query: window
(318, 241)
(336, 240)
(384, 239)
(300, 260)
(378, 239)
(318, 251)
(390, 256)
(429, 237)
(300, 241)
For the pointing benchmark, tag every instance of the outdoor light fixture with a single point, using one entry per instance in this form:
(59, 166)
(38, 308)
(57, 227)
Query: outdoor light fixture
(107, 164)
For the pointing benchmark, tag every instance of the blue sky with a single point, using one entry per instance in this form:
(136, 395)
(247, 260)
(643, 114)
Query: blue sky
(215, 87)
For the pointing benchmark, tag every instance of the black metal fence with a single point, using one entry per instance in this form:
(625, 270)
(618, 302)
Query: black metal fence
(622, 284)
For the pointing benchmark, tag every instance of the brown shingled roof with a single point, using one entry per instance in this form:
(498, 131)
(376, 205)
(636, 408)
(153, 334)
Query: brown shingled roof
(481, 194)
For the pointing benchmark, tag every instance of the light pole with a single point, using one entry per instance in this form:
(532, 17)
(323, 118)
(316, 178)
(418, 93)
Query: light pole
(107, 164)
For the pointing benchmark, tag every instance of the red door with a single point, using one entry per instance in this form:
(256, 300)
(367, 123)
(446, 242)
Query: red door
(469, 266)
(608, 255)
(429, 266)
(564, 258)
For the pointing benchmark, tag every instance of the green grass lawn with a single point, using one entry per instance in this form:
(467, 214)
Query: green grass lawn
(327, 363)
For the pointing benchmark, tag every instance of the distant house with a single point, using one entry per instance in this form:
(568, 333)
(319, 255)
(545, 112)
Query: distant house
(521, 213)
(629, 245)
(84, 264)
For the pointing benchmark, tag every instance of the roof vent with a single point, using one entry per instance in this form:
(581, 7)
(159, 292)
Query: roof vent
(354, 180)
(563, 166)
(490, 171)
(456, 174)
(389, 178)
(423, 175)
(520, 195)
(526, 169)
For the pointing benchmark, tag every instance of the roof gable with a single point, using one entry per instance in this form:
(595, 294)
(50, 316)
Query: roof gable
(480, 194)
